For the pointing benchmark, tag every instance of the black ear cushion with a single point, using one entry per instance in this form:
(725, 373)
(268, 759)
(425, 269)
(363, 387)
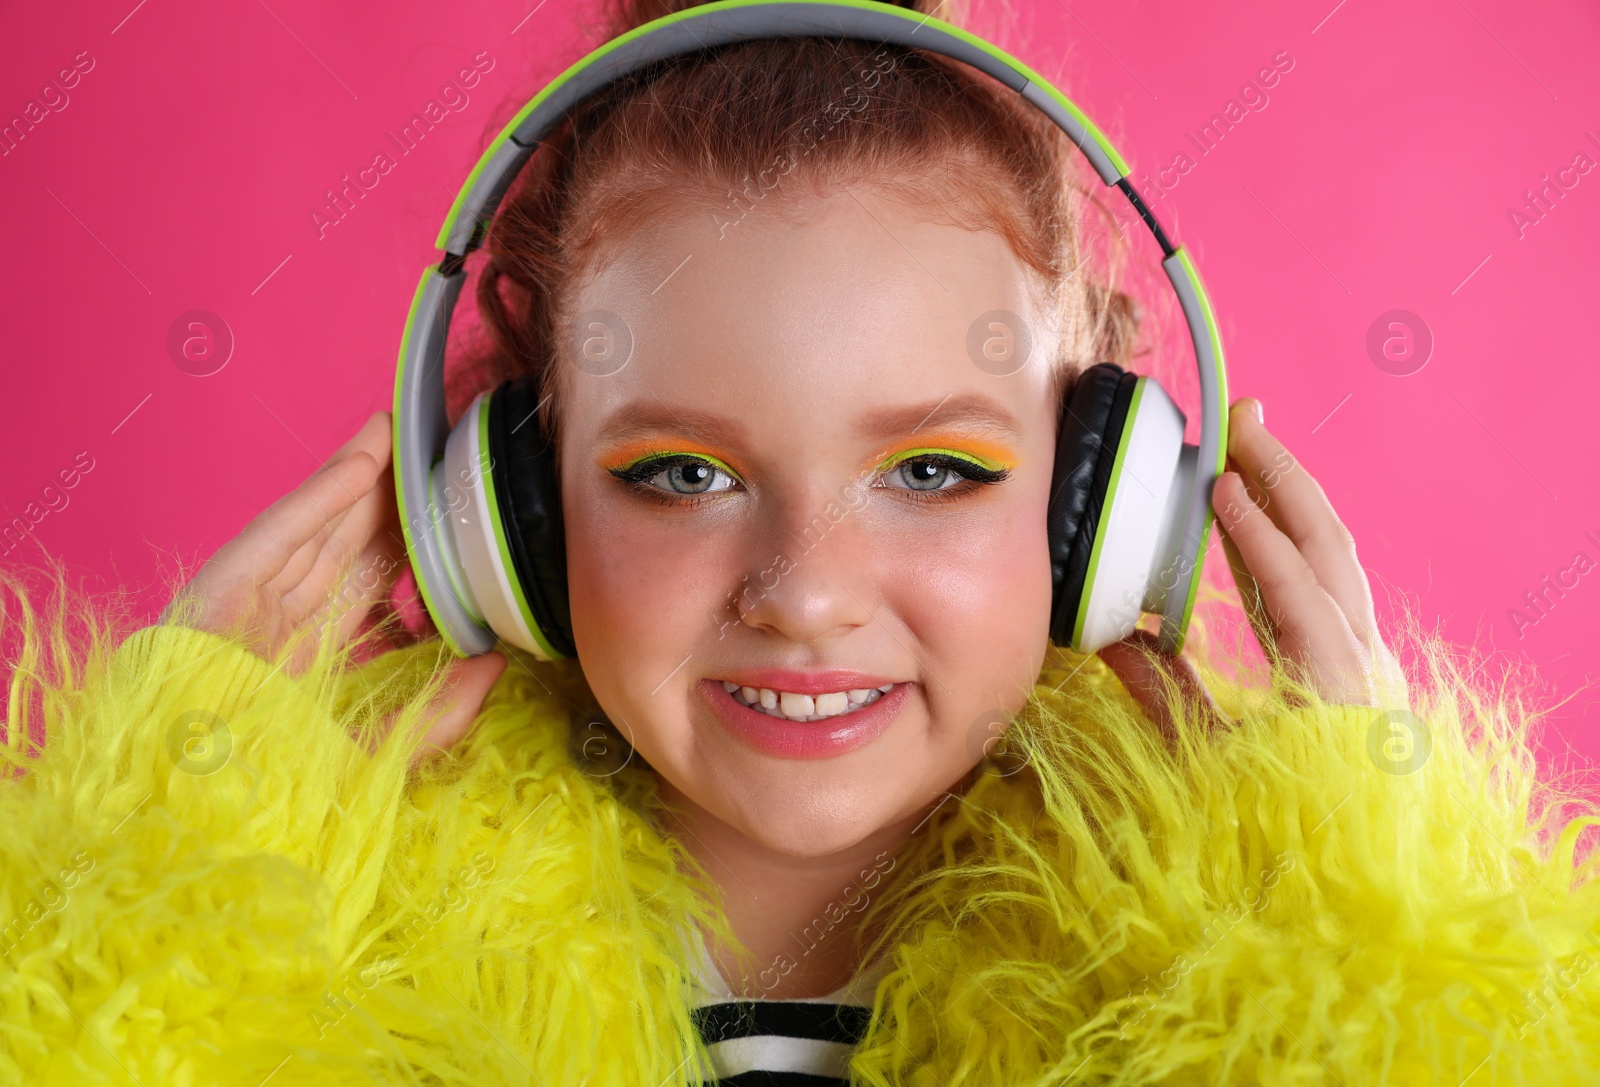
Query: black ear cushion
(523, 462)
(1095, 408)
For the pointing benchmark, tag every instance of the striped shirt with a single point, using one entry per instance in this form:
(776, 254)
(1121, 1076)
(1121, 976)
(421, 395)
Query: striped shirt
(798, 1042)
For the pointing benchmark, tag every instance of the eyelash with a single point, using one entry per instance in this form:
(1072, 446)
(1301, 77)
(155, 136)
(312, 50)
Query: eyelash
(974, 476)
(639, 474)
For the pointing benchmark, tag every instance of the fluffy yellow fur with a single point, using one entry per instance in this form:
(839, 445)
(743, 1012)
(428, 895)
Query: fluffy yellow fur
(213, 873)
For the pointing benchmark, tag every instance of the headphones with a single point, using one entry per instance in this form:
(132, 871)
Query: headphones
(1129, 516)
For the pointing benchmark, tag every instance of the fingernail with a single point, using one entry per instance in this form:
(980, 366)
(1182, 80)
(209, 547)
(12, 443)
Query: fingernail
(1255, 409)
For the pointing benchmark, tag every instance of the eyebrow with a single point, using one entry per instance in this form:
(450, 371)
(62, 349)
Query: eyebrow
(964, 411)
(641, 417)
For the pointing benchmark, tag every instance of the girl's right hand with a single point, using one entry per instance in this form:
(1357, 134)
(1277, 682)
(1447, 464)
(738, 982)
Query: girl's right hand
(325, 552)
(329, 551)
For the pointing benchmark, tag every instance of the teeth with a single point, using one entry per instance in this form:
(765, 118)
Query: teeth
(832, 703)
(805, 707)
(796, 705)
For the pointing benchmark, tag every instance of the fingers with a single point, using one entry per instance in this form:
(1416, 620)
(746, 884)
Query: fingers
(374, 439)
(336, 562)
(269, 542)
(1249, 593)
(457, 706)
(1142, 676)
(1297, 504)
(316, 563)
(1310, 628)
(230, 592)
(305, 558)
(381, 560)
(369, 582)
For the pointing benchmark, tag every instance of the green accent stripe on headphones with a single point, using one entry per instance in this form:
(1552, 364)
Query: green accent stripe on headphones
(518, 592)
(1220, 461)
(1105, 510)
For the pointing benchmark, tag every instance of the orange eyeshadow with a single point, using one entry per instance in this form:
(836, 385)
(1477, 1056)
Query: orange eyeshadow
(638, 450)
(991, 454)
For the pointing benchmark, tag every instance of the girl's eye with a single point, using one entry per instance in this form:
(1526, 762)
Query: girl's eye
(693, 477)
(677, 474)
(940, 472)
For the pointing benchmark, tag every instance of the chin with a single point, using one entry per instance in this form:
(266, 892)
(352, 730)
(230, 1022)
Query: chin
(829, 806)
(812, 819)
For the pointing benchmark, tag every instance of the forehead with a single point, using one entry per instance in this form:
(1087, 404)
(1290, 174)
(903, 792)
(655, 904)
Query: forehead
(853, 297)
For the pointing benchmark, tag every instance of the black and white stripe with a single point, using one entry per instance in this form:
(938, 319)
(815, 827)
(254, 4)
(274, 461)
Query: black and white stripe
(805, 1042)
(794, 1043)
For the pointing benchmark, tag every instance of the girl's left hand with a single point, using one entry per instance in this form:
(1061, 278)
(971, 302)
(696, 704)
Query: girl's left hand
(1296, 568)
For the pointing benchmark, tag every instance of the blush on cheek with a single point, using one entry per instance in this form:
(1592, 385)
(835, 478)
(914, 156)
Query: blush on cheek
(616, 597)
(643, 596)
(978, 598)
(622, 622)
(1000, 599)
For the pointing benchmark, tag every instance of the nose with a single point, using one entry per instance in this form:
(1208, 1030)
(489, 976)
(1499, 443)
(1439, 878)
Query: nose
(819, 579)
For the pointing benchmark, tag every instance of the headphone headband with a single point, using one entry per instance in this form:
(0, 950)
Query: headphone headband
(421, 427)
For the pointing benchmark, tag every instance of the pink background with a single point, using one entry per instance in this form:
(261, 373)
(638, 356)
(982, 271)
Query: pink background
(182, 173)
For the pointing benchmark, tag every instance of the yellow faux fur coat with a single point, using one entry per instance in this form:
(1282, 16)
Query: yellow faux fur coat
(214, 873)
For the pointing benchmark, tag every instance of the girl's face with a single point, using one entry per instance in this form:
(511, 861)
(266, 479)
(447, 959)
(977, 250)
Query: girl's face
(787, 526)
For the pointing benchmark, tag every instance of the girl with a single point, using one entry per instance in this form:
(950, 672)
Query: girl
(929, 848)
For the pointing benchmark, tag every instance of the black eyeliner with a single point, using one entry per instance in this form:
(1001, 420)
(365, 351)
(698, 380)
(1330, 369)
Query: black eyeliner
(970, 470)
(642, 471)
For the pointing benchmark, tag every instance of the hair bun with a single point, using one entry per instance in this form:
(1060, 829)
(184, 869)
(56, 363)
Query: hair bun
(622, 16)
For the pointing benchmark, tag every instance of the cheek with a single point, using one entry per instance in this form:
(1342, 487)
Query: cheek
(642, 597)
(978, 596)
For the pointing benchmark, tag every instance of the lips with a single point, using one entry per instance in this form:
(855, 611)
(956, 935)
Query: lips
(786, 739)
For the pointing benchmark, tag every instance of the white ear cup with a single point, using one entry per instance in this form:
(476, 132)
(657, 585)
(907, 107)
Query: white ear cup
(472, 538)
(1139, 521)
(1172, 565)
